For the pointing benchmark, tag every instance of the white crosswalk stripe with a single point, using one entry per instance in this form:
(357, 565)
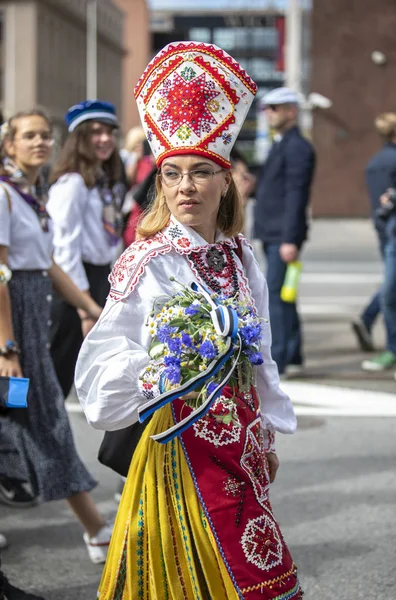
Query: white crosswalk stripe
(316, 399)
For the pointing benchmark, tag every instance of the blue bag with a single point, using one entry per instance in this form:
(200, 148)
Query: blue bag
(13, 392)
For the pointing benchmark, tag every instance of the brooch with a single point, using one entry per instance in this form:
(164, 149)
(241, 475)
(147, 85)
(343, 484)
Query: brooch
(216, 260)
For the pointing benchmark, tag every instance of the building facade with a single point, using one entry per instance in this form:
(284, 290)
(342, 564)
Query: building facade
(43, 55)
(344, 36)
(137, 44)
(255, 38)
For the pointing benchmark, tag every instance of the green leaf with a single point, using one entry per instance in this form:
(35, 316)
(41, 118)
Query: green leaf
(156, 349)
(227, 418)
(191, 373)
(177, 323)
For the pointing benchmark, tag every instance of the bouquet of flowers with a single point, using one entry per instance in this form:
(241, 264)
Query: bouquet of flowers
(186, 346)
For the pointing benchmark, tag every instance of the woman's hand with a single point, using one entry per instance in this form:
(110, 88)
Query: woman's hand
(273, 465)
(94, 310)
(384, 199)
(10, 366)
(86, 325)
(288, 252)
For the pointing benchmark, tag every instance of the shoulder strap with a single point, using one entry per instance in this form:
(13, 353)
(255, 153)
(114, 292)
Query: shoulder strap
(7, 193)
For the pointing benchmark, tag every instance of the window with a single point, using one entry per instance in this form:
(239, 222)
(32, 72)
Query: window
(225, 38)
(200, 34)
(264, 37)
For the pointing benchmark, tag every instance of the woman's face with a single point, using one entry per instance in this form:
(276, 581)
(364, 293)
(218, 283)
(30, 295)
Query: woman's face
(194, 201)
(31, 145)
(103, 140)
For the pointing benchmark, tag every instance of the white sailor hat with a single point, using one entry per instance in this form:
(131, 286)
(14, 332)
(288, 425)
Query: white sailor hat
(281, 95)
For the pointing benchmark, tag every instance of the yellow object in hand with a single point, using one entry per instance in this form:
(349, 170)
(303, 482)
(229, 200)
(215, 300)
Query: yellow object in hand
(291, 282)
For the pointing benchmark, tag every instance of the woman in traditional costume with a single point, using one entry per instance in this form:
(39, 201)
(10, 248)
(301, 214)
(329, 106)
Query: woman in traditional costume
(37, 444)
(195, 520)
(85, 205)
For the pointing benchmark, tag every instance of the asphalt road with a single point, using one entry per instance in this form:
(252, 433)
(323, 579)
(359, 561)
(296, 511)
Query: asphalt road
(335, 496)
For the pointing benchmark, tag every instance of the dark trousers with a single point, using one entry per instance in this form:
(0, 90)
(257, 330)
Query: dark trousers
(285, 322)
(388, 295)
(373, 308)
(66, 335)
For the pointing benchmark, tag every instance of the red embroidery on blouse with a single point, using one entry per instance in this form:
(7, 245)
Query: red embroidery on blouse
(131, 265)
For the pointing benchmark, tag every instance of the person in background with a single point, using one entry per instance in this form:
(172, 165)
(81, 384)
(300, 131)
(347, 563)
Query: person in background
(282, 198)
(381, 183)
(132, 153)
(37, 445)
(85, 204)
(245, 183)
(380, 175)
(6, 589)
(136, 200)
(141, 199)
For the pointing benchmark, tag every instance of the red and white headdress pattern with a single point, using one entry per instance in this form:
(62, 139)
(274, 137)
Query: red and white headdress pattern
(193, 99)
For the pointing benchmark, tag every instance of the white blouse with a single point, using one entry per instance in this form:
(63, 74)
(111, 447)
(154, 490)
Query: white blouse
(79, 235)
(115, 351)
(29, 247)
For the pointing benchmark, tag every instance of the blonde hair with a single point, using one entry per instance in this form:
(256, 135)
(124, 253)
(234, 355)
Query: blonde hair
(134, 136)
(385, 125)
(230, 218)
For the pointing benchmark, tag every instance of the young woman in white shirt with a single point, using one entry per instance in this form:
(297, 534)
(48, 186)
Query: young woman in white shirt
(195, 520)
(85, 206)
(43, 452)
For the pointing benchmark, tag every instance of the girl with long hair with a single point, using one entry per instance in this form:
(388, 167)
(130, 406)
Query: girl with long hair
(37, 444)
(85, 205)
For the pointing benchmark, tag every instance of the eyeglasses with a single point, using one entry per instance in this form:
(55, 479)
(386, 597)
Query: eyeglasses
(30, 136)
(172, 178)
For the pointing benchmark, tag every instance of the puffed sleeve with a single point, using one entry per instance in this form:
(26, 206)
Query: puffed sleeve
(5, 219)
(67, 201)
(277, 413)
(114, 354)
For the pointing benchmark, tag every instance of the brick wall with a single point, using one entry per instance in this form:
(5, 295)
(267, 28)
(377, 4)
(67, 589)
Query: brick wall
(344, 34)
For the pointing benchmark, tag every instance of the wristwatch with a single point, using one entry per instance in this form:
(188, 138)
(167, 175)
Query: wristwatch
(5, 273)
(9, 349)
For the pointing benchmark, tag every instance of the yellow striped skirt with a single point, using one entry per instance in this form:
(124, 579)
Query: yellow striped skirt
(162, 546)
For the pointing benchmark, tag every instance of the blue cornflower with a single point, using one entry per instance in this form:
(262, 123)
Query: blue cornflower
(164, 333)
(173, 374)
(250, 334)
(192, 310)
(172, 361)
(186, 340)
(211, 387)
(207, 350)
(175, 345)
(255, 357)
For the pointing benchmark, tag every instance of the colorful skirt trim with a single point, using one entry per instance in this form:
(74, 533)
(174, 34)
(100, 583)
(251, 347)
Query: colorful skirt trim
(189, 525)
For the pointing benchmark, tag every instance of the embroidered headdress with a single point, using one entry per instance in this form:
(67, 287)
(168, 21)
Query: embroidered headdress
(193, 99)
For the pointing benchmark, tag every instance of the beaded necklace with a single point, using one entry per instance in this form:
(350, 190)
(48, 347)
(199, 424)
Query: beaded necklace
(228, 272)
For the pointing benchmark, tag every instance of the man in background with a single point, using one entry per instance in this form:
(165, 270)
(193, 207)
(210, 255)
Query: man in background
(282, 198)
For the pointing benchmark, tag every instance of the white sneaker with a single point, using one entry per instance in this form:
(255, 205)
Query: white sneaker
(98, 545)
(3, 541)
